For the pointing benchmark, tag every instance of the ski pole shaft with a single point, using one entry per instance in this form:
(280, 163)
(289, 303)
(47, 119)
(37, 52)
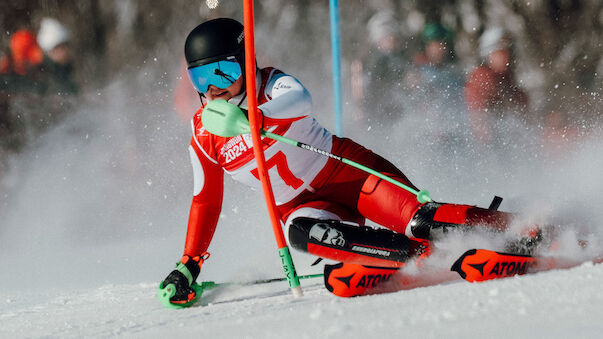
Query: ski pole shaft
(422, 196)
(211, 284)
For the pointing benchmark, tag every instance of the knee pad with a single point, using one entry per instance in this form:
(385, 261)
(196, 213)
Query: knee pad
(387, 204)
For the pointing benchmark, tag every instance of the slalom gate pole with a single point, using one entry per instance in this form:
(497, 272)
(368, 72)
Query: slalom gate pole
(250, 78)
(336, 57)
(422, 196)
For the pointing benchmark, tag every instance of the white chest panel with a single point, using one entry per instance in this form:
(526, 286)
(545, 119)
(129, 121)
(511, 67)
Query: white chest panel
(291, 169)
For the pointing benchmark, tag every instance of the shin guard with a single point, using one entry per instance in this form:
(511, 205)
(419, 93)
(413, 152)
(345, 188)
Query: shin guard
(338, 241)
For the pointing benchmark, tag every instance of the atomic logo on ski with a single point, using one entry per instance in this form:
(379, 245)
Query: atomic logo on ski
(346, 280)
(491, 265)
(480, 267)
(371, 280)
(509, 268)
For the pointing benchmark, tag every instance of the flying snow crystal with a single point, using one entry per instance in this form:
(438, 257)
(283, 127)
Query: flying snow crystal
(212, 3)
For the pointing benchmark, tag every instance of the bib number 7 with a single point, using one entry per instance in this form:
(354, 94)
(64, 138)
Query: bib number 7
(280, 161)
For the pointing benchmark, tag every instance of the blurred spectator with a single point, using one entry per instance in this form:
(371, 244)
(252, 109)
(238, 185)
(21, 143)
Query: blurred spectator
(436, 87)
(378, 82)
(491, 92)
(437, 63)
(19, 67)
(57, 67)
(19, 77)
(37, 78)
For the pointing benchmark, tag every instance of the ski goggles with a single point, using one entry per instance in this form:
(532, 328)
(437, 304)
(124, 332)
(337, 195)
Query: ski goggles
(221, 74)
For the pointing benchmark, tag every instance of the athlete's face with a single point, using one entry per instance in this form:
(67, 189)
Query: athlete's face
(227, 93)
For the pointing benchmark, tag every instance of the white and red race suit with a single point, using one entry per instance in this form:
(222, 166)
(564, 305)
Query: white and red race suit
(304, 183)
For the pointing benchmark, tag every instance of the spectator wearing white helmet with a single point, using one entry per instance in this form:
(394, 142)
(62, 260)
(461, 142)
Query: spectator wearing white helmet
(491, 92)
(54, 39)
(377, 75)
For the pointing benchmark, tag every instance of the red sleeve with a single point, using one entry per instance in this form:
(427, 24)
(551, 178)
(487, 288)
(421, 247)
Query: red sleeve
(207, 203)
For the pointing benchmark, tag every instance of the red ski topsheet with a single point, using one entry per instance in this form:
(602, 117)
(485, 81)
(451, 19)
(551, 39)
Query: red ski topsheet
(348, 280)
(480, 264)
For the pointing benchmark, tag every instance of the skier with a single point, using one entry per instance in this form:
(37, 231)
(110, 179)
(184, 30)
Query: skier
(323, 202)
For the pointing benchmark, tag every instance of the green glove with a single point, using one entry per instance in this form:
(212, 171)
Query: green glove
(179, 288)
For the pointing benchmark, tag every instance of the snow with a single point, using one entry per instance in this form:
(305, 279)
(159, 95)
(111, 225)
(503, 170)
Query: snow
(555, 304)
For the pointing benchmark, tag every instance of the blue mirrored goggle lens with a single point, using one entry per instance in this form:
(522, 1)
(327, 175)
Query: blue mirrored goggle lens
(220, 74)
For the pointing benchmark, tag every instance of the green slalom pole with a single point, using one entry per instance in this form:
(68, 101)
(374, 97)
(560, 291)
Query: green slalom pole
(227, 120)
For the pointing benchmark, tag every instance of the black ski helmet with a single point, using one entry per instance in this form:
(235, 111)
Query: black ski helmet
(215, 40)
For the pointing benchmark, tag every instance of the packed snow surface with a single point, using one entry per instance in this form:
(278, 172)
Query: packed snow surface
(554, 304)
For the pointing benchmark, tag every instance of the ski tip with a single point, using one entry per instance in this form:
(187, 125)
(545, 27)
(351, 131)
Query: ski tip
(480, 264)
(457, 266)
(328, 269)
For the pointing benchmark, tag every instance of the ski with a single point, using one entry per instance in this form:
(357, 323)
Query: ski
(351, 280)
(477, 265)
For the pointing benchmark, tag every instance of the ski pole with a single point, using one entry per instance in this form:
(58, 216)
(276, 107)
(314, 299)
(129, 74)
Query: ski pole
(422, 196)
(227, 120)
(207, 285)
